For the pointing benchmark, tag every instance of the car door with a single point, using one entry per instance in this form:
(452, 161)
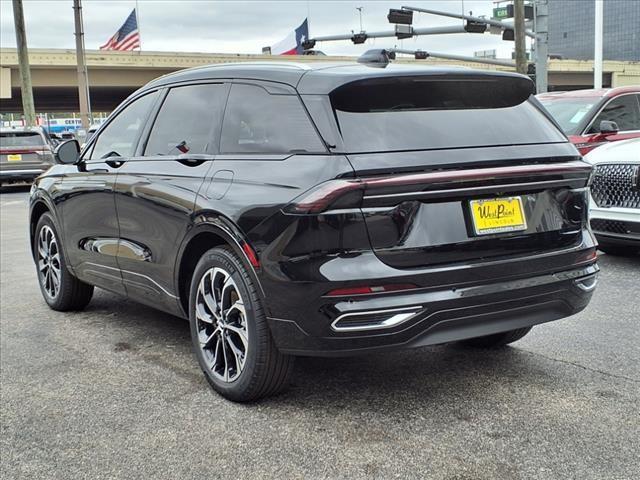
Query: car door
(87, 202)
(624, 110)
(156, 190)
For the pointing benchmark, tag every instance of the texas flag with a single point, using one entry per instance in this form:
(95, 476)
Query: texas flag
(292, 43)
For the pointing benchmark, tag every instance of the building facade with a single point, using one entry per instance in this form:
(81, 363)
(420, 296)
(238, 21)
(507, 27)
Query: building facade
(572, 23)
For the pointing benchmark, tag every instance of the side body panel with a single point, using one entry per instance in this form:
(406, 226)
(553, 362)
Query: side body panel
(154, 199)
(87, 208)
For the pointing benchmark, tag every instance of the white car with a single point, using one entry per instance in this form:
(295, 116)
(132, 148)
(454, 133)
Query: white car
(615, 196)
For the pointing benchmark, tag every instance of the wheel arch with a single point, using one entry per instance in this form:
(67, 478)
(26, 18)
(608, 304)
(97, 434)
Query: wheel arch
(211, 231)
(39, 207)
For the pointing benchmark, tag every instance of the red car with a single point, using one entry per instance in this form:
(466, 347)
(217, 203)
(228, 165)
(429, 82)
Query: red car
(593, 117)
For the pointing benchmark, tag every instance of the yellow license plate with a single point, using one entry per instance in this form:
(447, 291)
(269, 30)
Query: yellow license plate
(498, 215)
(14, 158)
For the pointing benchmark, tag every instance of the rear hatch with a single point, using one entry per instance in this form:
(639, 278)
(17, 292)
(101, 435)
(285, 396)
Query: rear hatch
(23, 150)
(459, 168)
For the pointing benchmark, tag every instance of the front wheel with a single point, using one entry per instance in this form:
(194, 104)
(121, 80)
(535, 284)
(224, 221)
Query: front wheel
(496, 340)
(60, 289)
(229, 331)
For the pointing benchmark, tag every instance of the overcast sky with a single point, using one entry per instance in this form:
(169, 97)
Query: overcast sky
(240, 27)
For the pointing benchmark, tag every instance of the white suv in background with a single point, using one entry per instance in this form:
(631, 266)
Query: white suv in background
(615, 196)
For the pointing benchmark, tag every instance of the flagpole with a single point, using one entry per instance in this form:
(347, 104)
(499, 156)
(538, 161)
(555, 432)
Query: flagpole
(138, 20)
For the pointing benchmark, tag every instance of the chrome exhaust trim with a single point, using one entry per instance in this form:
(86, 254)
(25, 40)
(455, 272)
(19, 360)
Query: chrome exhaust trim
(587, 284)
(378, 319)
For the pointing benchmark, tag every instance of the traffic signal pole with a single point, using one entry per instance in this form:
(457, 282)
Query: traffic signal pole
(23, 59)
(461, 58)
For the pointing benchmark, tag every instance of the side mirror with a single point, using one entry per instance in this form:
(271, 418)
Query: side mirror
(607, 126)
(67, 152)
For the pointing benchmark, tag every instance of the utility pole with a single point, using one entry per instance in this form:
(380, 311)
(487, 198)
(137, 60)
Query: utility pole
(541, 9)
(597, 54)
(518, 28)
(23, 59)
(83, 81)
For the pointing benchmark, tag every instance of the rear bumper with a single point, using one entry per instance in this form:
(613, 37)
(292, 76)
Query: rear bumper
(435, 315)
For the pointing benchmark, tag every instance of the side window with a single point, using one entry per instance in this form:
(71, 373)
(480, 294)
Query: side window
(258, 122)
(623, 110)
(120, 136)
(188, 119)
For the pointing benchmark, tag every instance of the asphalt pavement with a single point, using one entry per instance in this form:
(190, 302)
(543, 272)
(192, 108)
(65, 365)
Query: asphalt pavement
(115, 392)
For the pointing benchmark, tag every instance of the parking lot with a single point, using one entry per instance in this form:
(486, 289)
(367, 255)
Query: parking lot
(114, 392)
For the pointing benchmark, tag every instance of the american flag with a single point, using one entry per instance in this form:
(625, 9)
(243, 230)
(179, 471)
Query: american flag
(127, 37)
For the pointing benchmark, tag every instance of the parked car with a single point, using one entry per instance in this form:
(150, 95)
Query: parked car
(24, 154)
(292, 209)
(593, 117)
(615, 196)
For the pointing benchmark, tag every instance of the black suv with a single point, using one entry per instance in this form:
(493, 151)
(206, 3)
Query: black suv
(292, 209)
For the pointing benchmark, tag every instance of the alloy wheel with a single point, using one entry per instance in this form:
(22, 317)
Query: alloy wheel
(221, 324)
(49, 267)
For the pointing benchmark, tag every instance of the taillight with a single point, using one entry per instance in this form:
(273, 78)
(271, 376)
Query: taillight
(367, 290)
(350, 193)
(333, 194)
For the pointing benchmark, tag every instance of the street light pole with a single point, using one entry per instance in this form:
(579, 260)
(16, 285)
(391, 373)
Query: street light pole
(597, 54)
(542, 45)
(23, 59)
(83, 81)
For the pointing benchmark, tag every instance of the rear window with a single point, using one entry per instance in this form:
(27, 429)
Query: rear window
(21, 139)
(420, 114)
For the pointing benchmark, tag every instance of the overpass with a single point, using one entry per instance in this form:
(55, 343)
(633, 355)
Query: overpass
(114, 75)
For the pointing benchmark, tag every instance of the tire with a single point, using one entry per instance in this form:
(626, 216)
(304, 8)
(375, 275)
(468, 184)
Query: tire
(618, 250)
(229, 331)
(61, 290)
(496, 340)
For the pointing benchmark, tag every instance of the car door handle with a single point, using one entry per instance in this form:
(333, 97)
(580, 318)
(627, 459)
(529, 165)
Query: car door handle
(114, 163)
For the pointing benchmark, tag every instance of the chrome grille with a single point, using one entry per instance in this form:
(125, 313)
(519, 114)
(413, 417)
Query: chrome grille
(616, 185)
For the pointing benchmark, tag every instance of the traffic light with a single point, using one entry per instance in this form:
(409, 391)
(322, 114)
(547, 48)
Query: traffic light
(359, 38)
(404, 17)
(308, 44)
(508, 34)
(471, 26)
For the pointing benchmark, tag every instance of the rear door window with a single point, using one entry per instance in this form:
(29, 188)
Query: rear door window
(256, 121)
(188, 121)
(623, 110)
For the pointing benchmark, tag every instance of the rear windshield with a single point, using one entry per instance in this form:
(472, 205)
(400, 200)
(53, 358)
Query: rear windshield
(20, 139)
(569, 112)
(413, 114)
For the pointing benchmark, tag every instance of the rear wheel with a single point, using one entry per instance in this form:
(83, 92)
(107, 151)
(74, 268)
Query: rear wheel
(496, 340)
(60, 289)
(229, 331)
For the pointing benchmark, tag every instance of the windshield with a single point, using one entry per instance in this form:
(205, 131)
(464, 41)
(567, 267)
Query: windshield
(20, 139)
(569, 112)
(408, 115)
